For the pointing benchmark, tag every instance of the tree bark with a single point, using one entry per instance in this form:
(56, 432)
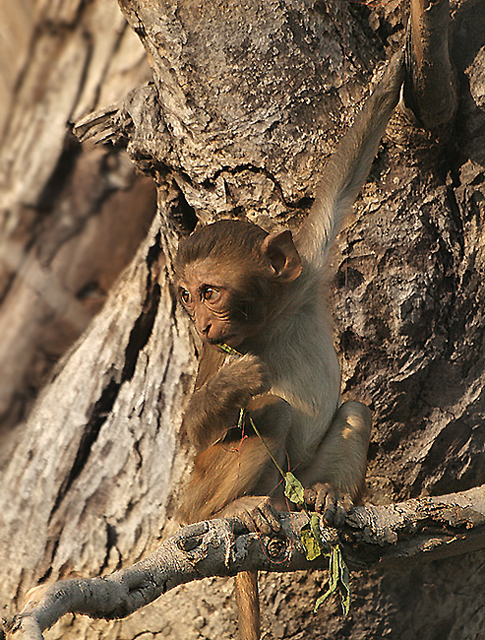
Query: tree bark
(71, 216)
(245, 106)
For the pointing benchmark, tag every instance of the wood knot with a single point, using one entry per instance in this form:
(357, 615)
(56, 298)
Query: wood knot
(276, 548)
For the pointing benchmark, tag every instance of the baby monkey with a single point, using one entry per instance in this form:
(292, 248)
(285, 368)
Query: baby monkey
(264, 295)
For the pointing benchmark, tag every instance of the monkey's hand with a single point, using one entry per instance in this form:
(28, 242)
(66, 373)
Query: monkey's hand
(256, 513)
(235, 384)
(333, 505)
(243, 378)
(214, 408)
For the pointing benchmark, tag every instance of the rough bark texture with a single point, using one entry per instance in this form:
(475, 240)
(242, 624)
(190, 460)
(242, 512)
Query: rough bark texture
(71, 216)
(247, 101)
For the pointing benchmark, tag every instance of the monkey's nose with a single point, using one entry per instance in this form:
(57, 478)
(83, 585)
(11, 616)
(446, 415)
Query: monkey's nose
(205, 331)
(203, 326)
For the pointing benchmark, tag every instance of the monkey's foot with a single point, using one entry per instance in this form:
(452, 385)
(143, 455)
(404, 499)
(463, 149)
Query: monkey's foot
(325, 499)
(256, 513)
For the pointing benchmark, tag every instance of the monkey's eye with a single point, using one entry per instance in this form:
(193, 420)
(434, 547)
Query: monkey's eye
(185, 296)
(209, 294)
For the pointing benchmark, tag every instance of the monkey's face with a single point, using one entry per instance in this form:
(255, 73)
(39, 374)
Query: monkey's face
(223, 302)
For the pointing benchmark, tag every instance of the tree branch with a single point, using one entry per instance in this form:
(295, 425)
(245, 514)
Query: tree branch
(424, 528)
(429, 90)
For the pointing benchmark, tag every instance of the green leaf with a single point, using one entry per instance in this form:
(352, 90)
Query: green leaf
(240, 422)
(294, 489)
(310, 542)
(339, 579)
(315, 526)
(321, 600)
(344, 585)
(334, 568)
(228, 349)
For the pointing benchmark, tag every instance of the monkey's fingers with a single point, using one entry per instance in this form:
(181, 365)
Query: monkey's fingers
(266, 517)
(325, 499)
(326, 503)
(310, 494)
(343, 507)
(263, 518)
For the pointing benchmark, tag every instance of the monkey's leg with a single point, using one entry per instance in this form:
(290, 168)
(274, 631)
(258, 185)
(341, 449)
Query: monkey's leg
(232, 478)
(220, 475)
(336, 476)
(218, 487)
(228, 476)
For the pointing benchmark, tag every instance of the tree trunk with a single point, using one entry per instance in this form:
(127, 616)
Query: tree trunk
(71, 216)
(246, 104)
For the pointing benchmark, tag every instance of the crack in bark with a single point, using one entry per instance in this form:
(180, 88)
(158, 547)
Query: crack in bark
(160, 398)
(303, 203)
(111, 540)
(178, 210)
(142, 329)
(139, 337)
(100, 413)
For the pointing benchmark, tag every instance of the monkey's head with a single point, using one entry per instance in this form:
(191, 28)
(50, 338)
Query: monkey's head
(231, 277)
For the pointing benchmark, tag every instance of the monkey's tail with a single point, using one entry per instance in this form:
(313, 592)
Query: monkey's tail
(247, 598)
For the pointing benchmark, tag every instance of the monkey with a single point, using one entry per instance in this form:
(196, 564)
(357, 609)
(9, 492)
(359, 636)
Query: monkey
(262, 297)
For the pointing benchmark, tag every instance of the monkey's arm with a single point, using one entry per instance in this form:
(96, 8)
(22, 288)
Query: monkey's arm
(347, 169)
(214, 408)
(240, 467)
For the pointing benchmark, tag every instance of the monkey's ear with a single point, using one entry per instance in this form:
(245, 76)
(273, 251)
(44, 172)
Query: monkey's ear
(282, 256)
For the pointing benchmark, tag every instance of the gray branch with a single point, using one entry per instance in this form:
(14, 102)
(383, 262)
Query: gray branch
(422, 528)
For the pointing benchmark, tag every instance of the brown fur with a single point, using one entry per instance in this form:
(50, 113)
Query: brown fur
(262, 294)
(247, 598)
